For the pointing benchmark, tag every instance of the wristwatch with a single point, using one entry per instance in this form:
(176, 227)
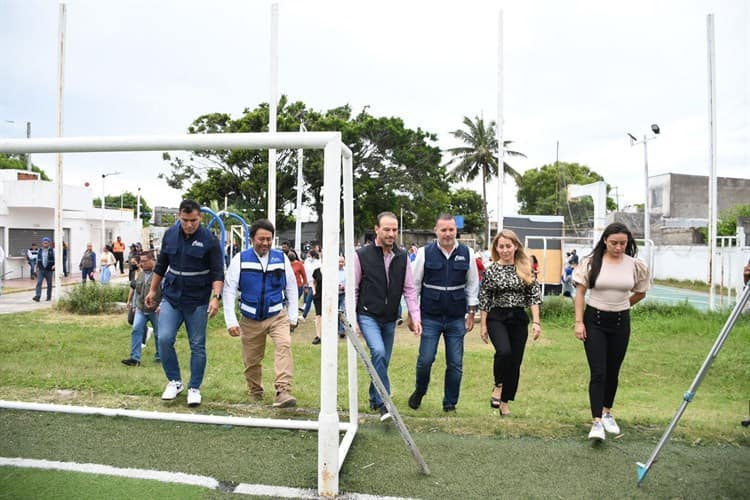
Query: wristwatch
(217, 296)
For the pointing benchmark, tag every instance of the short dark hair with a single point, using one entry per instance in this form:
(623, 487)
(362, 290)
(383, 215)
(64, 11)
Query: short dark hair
(445, 216)
(261, 224)
(189, 206)
(390, 215)
(148, 254)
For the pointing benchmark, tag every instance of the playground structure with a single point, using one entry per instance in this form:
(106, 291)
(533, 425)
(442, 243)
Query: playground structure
(332, 450)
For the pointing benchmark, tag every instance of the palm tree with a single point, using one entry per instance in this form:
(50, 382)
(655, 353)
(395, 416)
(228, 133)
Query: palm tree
(479, 156)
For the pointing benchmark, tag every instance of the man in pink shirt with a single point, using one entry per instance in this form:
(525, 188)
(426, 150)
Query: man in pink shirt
(381, 276)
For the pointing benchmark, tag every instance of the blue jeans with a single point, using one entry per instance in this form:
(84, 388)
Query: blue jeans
(195, 321)
(85, 274)
(139, 329)
(342, 305)
(44, 275)
(379, 337)
(308, 301)
(453, 330)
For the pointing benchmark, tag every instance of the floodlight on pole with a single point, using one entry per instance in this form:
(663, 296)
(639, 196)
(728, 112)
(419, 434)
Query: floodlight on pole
(646, 205)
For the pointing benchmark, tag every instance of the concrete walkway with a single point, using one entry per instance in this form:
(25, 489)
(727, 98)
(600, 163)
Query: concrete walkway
(18, 293)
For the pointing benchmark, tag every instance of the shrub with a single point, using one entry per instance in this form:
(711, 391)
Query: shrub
(93, 298)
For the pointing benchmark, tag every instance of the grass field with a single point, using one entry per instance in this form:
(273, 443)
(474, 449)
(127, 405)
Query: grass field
(540, 451)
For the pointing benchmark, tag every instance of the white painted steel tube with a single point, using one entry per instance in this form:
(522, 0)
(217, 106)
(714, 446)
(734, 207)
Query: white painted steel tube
(172, 417)
(58, 237)
(500, 123)
(328, 437)
(713, 203)
(346, 444)
(272, 104)
(186, 142)
(350, 305)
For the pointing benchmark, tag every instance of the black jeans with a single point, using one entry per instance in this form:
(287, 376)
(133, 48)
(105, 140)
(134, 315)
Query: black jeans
(607, 336)
(508, 331)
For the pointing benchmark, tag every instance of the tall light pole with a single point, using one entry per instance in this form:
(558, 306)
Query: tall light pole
(104, 176)
(138, 206)
(647, 205)
(300, 184)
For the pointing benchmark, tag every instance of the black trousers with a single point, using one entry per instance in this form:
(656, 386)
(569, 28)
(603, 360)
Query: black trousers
(607, 336)
(119, 260)
(508, 330)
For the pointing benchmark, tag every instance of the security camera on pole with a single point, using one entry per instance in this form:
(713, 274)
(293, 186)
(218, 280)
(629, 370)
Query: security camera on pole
(647, 243)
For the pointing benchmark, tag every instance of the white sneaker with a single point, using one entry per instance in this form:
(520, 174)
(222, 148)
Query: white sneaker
(194, 397)
(149, 332)
(608, 421)
(174, 387)
(597, 432)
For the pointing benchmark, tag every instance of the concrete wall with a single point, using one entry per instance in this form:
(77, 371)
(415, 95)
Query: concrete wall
(678, 195)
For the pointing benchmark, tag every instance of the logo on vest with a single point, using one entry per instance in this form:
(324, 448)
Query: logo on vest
(460, 257)
(197, 244)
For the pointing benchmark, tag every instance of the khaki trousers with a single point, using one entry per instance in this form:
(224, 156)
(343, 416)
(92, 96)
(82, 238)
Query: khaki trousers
(254, 348)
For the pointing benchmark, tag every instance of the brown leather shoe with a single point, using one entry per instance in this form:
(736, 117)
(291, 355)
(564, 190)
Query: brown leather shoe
(284, 399)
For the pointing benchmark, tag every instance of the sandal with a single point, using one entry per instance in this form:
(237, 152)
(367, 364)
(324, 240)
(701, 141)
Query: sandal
(495, 402)
(504, 410)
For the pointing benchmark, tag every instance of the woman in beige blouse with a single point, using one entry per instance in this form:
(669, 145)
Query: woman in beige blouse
(617, 281)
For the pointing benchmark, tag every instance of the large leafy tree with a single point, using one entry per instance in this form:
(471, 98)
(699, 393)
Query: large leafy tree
(394, 167)
(9, 162)
(543, 191)
(126, 200)
(478, 157)
(468, 203)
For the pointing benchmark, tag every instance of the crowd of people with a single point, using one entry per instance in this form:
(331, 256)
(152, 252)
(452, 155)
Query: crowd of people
(443, 285)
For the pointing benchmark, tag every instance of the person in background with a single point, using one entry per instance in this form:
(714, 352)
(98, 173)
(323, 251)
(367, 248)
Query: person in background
(312, 262)
(299, 274)
(573, 258)
(45, 266)
(31, 256)
(382, 274)
(106, 262)
(568, 287)
(480, 265)
(191, 267)
(445, 276)
(118, 250)
(264, 277)
(746, 272)
(616, 281)
(285, 247)
(66, 270)
(535, 267)
(342, 293)
(139, 288)
(507, 289)
(134, 257)
(88, 264)
(2, 274)
(317, 284)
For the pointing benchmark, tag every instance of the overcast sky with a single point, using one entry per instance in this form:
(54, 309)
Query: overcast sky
(579, 72)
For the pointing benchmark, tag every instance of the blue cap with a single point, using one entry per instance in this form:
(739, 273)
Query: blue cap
(45, 239)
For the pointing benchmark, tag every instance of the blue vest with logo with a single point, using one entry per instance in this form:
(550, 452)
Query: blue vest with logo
(444, 282)
(262, 292)
(187, 281)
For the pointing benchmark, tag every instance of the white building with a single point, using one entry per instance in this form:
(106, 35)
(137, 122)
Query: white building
(27, 214)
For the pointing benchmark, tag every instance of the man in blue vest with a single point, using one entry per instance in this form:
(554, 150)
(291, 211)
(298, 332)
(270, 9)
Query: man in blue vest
(445, 274)
(190, 265)
(381, 276)
(268, 306)
(45, 266)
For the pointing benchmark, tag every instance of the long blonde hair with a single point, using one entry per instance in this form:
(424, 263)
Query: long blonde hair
(520, 258)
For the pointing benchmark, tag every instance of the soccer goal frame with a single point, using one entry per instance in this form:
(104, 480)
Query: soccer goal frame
(332, 449)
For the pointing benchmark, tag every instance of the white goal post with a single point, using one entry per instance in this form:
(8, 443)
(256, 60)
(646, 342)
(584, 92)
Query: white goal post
(331, 450)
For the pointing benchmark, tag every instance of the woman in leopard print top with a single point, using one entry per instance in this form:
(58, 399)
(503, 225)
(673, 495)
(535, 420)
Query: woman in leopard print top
(507, 289)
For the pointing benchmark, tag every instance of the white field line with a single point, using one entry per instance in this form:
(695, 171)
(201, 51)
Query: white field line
(177, 478)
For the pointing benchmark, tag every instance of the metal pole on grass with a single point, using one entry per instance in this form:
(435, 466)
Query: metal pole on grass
(59, 204)
(272, 111)
(690, 394)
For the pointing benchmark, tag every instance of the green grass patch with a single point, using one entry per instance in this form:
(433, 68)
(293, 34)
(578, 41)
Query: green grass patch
(54, 356)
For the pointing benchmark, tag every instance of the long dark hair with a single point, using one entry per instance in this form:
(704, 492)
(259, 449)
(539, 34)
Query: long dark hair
(597, 254)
